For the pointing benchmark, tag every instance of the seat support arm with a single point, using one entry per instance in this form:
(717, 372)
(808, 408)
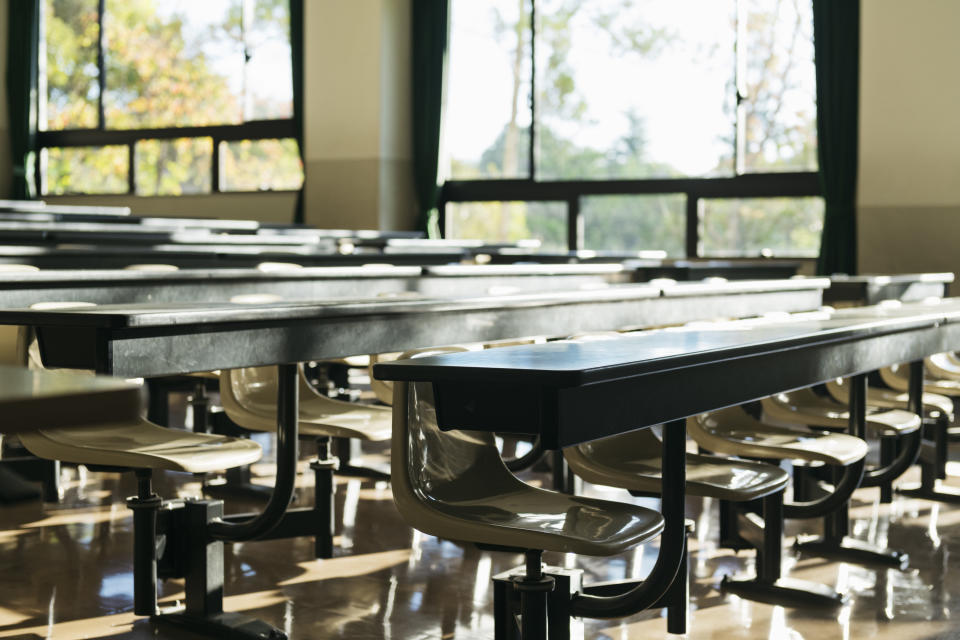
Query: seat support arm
(905, 459)
(848, 483)
(672, 541)
(288, 412)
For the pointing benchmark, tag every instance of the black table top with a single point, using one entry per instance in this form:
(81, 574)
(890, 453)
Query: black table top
(576, 391)
(575, 363)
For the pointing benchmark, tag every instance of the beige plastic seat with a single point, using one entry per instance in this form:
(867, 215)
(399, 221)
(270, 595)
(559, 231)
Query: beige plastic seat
(249, 398)
(734, 432)
(141, 445)
(805, 407)
(514, 342)
(933, 403)
(632, 461)
(897, 378)
(138, 444)
(18, 267)
(273, 267)
(454, 485)
(943, 366)
(157, 267)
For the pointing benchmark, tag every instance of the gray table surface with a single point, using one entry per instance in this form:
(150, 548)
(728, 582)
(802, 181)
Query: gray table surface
(169, 338)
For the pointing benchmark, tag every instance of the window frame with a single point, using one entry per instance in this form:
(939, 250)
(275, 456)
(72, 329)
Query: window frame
(100, 136)
(740, 185)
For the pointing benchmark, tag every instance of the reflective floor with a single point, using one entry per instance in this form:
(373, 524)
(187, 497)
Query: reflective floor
(65, 573)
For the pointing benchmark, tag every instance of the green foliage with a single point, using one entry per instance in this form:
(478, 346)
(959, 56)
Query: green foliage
(173, 167)
(87, 170)
(71, 39)
(155, 78)
(252, 165)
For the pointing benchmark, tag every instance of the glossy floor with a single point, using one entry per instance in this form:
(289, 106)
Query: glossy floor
(65, 573)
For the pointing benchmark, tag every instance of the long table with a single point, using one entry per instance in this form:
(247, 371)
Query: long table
(873, 289)
(572, 392)
(110, 286)
(202, 256)
(146, 340)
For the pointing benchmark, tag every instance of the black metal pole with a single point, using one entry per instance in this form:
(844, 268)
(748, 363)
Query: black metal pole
(770, 555)
(915, 388)
(144, 507)
(857, 424)
(533, 602)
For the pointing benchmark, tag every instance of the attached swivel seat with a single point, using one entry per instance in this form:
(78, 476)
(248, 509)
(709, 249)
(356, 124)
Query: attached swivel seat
(454, 485)
(751, 506)
(942, 382)
(143, 447)
(734, 432)
(249, 399)
(896, 430)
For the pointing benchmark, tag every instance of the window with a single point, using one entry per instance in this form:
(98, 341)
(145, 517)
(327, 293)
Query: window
(166, 97)
(511, 222)
(656, 121)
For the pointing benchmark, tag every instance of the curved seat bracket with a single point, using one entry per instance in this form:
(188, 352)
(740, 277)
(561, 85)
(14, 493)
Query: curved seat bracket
(849, 481)
(288, 411)
(672, 540)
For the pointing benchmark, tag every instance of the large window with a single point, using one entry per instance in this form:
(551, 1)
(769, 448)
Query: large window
(662, 124)
(166, 97)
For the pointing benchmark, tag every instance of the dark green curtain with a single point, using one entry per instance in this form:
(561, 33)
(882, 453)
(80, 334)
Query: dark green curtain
(836, 36)
(430, 27)
(22, 49)
(296, 53)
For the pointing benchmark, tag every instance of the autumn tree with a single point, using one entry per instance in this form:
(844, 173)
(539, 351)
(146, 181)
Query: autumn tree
(159, 73)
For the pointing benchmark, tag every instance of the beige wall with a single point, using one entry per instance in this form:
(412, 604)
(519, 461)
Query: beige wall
(909, 188)
(357, 117)
(356, 126)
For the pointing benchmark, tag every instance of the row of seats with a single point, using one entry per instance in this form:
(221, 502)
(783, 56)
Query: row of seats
(435, 474)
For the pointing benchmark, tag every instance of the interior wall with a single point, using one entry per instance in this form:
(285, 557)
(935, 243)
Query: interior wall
(356, 127)
(358, 116)
(909, 176)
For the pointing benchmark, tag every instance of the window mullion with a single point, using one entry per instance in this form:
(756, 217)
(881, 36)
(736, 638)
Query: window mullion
(101, 69)
(215, 166)
(740, 82)
(131, 168)
(533, 91)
